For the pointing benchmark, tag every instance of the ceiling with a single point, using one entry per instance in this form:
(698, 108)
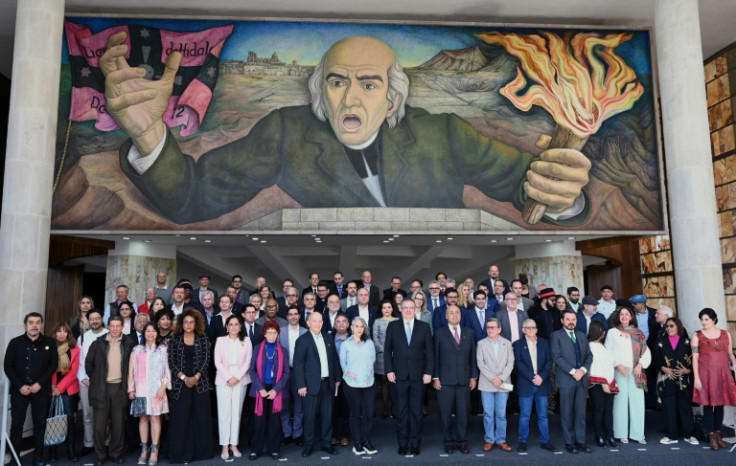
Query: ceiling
(717, 17)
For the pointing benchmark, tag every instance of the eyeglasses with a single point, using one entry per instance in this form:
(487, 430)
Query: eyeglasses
(434, 288)
(529, 328)
(671, 326)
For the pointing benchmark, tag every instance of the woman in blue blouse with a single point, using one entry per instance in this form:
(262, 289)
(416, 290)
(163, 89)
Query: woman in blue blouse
(357, 356)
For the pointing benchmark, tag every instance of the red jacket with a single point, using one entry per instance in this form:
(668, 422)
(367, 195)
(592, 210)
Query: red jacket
(69, 383)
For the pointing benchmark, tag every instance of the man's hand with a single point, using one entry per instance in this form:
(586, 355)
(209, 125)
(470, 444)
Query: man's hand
(25, 390)
(578, 375)
(426, 379)
(558, 178)
(302, 391)
(137, 104)
(391, 376)
(497, 382)
(473, 383)
(35, 388)
(437, 384)
(537, 380)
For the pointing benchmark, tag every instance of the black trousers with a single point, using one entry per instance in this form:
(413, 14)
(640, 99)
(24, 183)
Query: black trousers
(360, 402)
(190, 427)
(39, 411)
(340, 414)
(676, 407)
(267, 430)
(408, 395)
(602, 411)
(114, 411)
(454, 398)
(318, 403)
(713, 417)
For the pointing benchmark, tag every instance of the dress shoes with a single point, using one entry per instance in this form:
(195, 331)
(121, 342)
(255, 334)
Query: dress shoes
(487, 446)
(549, 447)
(331, 450)
(449, 449)
(521, 448)
(583, 447)
(464, 449)
(415, 450)
(307, 452)
(403, 450)
(600, 441)
(299, 441)
(287, 440)
(571, 449)
(504, 446)
(612, 442)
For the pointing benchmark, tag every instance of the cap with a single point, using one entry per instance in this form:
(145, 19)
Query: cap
(638, 298)
(590, 301)
(547, 293)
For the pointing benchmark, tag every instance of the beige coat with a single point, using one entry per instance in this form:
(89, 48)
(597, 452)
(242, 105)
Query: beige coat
(492, 367)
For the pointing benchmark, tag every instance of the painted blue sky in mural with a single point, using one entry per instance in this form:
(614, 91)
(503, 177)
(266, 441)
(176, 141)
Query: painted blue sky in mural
(306, 41)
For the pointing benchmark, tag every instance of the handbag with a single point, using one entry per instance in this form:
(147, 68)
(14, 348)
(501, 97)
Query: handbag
(56, 423)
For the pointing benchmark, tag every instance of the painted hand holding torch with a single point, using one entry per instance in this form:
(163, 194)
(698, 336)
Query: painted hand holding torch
(579, 80)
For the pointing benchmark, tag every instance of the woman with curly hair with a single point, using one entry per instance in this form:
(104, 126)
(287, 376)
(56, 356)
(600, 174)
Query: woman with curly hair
(190, 418)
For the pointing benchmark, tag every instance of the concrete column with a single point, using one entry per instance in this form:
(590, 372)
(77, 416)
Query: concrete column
(136, 264)
(29, 163)
(693, 219)
(556, 264)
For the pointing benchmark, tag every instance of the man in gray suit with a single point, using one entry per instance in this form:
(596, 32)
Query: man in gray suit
(572, 358)
(292, 403)
(523, 304)
(512, 318)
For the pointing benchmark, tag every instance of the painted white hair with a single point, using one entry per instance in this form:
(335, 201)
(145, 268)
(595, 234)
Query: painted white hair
(398, 86)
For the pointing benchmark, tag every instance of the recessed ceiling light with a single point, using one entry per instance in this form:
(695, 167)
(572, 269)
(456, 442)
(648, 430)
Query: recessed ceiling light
(438, 241)
(193, 238)
(391, 239)
(146, 240)
(263, 241)
(318, 239)
(509, 239)
(449, 238)
(548, 241)
(570, 237)
(255, 238)
(385, 241)
(314, 236)
(178, 236)
(208, 241)
(396, 236)
(494, 241)
(126, 237)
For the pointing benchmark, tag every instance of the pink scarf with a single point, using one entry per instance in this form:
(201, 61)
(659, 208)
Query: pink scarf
(279, 372)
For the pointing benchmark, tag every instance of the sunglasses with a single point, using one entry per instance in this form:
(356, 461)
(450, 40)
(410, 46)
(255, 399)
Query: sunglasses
(671, 326)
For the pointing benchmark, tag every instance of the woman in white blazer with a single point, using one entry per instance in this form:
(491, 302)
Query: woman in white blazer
(232, 361)
(495, 357)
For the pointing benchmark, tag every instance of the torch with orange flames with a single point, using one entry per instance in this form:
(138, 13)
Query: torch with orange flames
(579, 80)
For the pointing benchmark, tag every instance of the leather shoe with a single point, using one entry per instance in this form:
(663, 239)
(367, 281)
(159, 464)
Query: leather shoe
(344, 442)
(612, 441)
(449, 449)
(571, 449)
(521, 448)
(299, 441)
(464, 449)
(415, 450)
(307, 452)
(119, 460)
(504, 446)
(487, 446)
(583, 447)
(403, 450)
(331, 450)
(600, 442)
(549, 447)
(287, 440)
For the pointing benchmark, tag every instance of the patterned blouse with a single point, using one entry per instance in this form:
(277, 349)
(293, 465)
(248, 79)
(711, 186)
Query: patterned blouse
(357, 363)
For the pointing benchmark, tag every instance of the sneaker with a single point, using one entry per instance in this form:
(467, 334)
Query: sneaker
(358, 450)
(668, 441)
(692, 441)
(369, 448)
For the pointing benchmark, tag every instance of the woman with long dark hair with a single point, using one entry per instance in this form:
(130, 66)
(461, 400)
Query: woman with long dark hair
(64, 382)
(713, 380)
(78, 322)
(602, 386)
(190, 418)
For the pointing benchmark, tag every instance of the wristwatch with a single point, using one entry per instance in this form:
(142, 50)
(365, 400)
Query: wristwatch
(182, 377)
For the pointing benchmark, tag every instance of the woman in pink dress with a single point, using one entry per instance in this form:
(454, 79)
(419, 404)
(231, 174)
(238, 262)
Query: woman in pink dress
(713, 379)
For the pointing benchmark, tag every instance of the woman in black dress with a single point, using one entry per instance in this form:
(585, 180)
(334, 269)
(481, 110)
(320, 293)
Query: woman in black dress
(190, 426)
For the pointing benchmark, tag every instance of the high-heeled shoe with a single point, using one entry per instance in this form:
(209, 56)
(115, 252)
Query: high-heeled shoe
(144, 453)
(153, 451)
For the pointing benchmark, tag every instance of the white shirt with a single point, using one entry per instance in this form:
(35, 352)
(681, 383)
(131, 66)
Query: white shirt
(87, 339)
(177, 310)
(363, 313)
(293, 335)
(514, 323)
(351, 301)
(322, 351)
(532, 345)
(606, 307)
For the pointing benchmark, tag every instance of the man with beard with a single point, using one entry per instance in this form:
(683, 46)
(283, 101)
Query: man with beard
(573, 297)
(545, 314)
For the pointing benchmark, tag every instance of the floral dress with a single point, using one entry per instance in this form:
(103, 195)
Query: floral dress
(149, 369)
(719, 388)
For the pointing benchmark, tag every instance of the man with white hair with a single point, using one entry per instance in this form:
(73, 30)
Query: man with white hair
(357, 121)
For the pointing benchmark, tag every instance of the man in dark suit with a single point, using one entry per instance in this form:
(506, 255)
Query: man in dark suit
(292, 414)
(331, 313)
(455, 375)
(290, 298)
(367, 279)
(439, 318)
(476, 317)
(435, 298)
(494, 274)
(250, 327)
(323, 290)
(309, 306)
(363, 309)
(533, 362)
(572, 358)
(395, 288)
(409, 363)
(316, 375)
(313, 282)
(281, 298)
(204, 286)
(339, 288)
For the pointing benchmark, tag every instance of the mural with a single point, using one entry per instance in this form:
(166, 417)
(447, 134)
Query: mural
(183, 124)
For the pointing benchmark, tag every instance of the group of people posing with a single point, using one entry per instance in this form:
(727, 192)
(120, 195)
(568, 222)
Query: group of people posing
(304, 368)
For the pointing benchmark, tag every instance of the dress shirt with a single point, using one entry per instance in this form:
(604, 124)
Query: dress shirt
(514, 323)
(332, 319)
(575, 306)
(178, 310)
(208, 315)
(453, 329)
(532, 345)
(364, 314)
(495, 345)
(322, 351)
(642, 321)
(86, 341)
(250, 330)
(351, 301)
(481, 316)
(293, 335)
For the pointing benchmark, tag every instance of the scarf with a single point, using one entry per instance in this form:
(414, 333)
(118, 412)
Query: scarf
(279, 372)
(64, 362)
(638, 347)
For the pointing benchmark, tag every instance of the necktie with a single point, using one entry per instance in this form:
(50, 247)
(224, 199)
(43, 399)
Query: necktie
(499, 299)
(482, 316)
(572, 336)
(436, 303)
(408, 333)
(140, 340)
(339, 290)
(250, 332)
(457, 336)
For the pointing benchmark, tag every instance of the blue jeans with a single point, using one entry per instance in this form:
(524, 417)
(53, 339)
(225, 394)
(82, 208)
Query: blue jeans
(525, 405)
(494, 415)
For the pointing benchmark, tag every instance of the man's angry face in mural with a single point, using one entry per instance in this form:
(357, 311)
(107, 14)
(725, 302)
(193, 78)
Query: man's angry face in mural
(355, 88)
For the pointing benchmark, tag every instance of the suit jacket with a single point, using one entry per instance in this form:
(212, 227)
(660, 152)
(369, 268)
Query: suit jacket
(478, 327)
(217, 328)
(343, 293)
(582, 324)
(222, 361)
(503, 317)
(408, 361)
(525, 369)
(327, 323)
(389, 293)
(375, 296)
(439, 318)
(526, 304)
(307, 366)
(454, 364)
(487, 282)
(291, 148)
(547, 320)
(352, 312)
(344, 302)
(284, 339)
(430, 303)
(563, 355)
(195, 295)
(492, 366)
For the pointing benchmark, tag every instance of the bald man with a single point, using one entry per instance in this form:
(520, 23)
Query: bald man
(358, 131)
